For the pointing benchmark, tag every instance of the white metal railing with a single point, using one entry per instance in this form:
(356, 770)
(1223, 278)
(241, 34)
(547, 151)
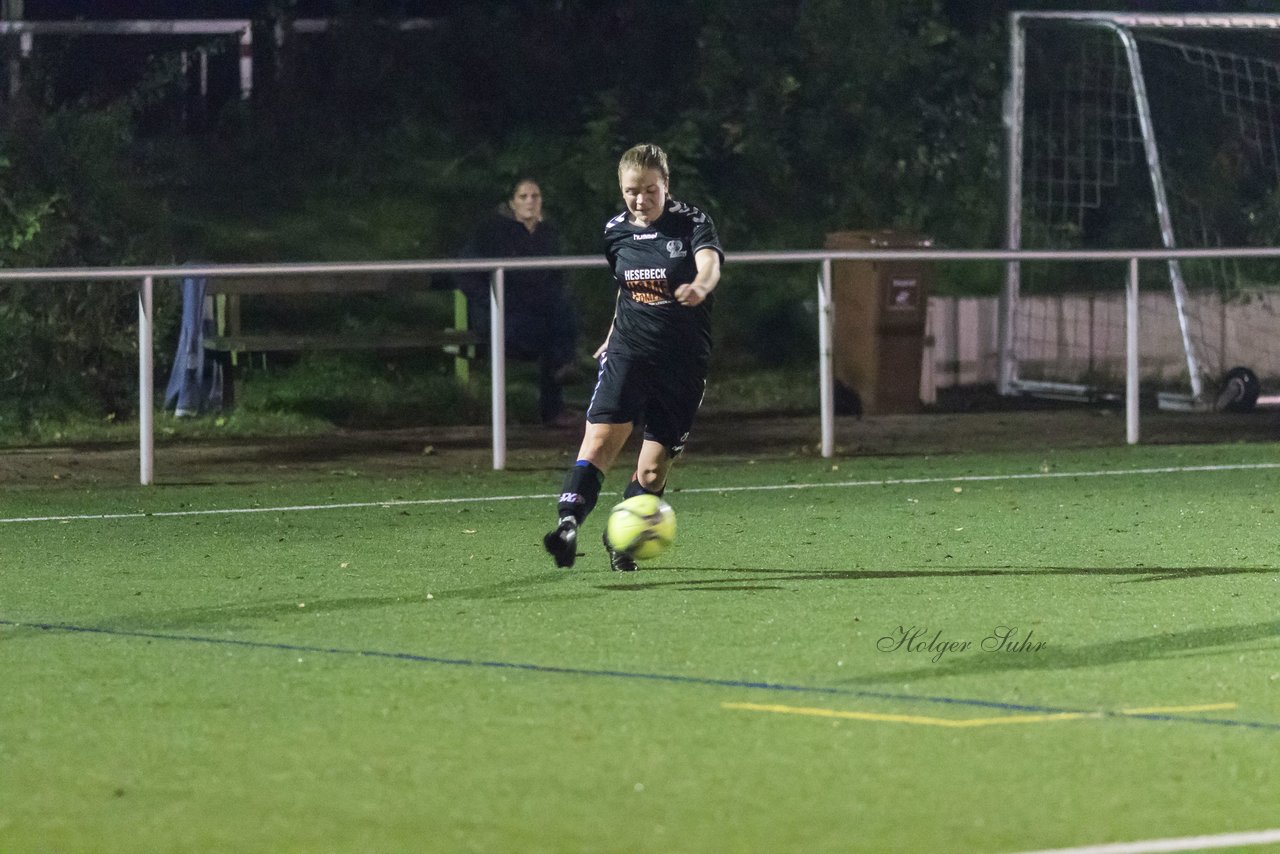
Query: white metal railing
(496, 267)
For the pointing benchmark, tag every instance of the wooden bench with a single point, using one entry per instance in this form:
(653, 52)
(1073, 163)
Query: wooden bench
(232, 344)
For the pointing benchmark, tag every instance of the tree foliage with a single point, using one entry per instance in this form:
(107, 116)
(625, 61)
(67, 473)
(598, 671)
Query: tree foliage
(71, 195)
(787, 119)
(790, 118)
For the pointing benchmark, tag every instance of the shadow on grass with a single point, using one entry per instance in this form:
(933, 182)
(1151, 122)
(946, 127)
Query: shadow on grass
(244, 615)
(1192, 643)
(755, 575)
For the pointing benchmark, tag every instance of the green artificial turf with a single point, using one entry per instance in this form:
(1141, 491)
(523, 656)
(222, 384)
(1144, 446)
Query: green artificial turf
(418, 677)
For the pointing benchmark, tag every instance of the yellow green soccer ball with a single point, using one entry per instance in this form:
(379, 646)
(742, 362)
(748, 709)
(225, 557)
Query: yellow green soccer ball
(643, 527)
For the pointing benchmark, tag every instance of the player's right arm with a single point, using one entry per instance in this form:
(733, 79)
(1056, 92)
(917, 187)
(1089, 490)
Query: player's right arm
(695, 292)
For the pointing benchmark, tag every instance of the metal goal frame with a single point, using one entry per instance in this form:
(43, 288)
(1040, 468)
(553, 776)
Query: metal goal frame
(1121, 24)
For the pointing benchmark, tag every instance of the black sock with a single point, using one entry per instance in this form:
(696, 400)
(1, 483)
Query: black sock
(581, 490)
(634, 488)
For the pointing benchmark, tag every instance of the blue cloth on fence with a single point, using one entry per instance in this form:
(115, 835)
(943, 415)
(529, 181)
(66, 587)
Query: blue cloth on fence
(196, 380)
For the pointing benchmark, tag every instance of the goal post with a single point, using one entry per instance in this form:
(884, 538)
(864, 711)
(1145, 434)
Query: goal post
(1121, 127)
(241, 29)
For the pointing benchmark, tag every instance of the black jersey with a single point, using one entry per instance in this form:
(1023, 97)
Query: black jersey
(649, 263)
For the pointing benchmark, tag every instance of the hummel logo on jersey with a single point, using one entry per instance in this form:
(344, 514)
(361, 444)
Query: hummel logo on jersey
(688, 210)
(650, 236)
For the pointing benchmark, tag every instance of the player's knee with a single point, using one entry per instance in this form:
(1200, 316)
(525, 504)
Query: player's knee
(652, 477)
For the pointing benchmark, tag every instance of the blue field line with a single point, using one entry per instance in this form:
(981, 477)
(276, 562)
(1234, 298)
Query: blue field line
(627, 674)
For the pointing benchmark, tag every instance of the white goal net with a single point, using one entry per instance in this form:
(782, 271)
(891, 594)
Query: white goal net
(1142, 131)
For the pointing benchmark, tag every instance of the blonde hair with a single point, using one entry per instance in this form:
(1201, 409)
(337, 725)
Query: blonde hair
(644, 157)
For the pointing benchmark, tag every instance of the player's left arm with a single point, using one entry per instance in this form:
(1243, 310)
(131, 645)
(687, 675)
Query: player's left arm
(693, 293)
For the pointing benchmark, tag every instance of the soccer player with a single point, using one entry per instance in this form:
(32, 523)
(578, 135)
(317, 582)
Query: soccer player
(666, 258)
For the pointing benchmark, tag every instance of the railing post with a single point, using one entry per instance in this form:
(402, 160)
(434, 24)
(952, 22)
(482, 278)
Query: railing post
(826, 381)
(1014, 116)
(498, 365)
(1131, 366)
(146, 390)
(245, 47)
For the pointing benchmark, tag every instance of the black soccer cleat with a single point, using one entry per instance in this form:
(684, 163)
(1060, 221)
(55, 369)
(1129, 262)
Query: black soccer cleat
(620, 561)
(562, 543)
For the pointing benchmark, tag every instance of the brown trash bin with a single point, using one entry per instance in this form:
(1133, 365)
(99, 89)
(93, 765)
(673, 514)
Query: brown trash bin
(880, 312)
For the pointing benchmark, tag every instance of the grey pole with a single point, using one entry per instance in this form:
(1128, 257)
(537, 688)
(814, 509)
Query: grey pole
(498, 365)
(146, 390)
(826, 381)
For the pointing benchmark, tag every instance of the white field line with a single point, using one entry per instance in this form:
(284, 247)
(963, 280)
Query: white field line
(289, 508)
(421, 502)
(1181, 843)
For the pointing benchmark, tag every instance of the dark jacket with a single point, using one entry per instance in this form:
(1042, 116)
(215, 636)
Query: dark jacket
(501, 235)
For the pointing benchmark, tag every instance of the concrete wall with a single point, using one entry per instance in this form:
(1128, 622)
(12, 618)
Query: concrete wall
(1074, 337)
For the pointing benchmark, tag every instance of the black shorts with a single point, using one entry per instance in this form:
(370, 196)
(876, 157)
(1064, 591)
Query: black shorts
(661, 398)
